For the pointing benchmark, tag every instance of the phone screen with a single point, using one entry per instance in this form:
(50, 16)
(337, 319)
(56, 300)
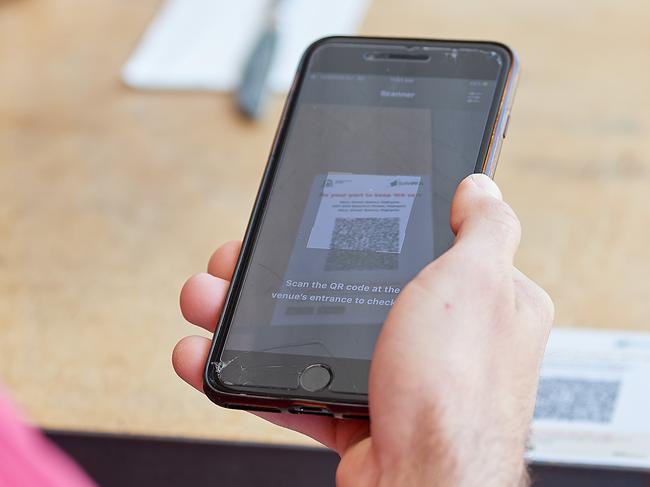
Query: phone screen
(377, 140)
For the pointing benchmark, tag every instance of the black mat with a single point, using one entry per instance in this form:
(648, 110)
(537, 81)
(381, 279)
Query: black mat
(122, 461)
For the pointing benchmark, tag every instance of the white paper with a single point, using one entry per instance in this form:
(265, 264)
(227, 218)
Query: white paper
(593, 407)
(363, 212)
(203, 44)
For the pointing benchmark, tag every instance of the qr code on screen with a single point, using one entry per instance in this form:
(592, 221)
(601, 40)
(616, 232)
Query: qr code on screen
(364, 244)
(369, 234)
(576, 399)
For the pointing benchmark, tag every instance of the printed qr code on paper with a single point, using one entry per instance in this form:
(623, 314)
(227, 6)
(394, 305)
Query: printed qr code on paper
(576, 399)
(368, 234)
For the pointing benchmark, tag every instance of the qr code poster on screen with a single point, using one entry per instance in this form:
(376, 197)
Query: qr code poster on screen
(363, 212)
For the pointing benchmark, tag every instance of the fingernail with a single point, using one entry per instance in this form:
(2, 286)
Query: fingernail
(486, 184)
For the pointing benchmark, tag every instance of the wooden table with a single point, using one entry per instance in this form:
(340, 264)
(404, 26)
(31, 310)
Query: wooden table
(109, 197)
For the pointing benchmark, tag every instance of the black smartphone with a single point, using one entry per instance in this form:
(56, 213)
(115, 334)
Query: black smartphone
(375, 137)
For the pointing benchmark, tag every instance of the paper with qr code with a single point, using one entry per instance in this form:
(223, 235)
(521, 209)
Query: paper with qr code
(363, 212)
(593, 404)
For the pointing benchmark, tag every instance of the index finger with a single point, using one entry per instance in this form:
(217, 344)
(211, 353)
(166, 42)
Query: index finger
(223, 260)
(203, 295)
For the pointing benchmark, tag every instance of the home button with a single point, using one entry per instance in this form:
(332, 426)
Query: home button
(315, 377)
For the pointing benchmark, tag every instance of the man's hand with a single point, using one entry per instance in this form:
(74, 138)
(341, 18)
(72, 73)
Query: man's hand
(455, 369)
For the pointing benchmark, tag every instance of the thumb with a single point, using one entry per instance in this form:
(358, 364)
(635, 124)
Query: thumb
(482, 220)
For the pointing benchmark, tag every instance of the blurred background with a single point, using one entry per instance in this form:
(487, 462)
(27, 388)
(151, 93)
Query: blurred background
(112, 195)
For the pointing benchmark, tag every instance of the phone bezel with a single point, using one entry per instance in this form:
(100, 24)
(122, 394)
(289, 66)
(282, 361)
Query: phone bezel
(262, 399)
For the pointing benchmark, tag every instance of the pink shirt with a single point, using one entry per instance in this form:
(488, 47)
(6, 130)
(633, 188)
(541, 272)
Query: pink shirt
(28, 459)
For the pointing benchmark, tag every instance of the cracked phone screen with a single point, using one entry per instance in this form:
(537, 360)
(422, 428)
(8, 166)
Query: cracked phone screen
(359, 204)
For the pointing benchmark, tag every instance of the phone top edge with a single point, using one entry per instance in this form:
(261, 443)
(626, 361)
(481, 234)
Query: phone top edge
(410, 42)
(407, 40)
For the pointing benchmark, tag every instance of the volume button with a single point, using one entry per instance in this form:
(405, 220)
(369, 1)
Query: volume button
(505, 129)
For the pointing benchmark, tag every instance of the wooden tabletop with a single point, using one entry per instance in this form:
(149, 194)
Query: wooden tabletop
(110, 197)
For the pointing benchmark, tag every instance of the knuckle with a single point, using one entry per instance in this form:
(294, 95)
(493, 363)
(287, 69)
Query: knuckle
(501, 214)
(484, 273)
(542, 307)
(478, 272)
(547, 307)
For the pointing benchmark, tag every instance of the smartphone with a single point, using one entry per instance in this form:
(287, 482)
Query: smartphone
(375, 136)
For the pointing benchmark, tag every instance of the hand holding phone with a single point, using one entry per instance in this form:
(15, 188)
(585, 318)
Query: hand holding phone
(355, 201)
(454, 374)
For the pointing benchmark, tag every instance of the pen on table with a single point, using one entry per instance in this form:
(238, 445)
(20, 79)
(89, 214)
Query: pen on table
(252, 90)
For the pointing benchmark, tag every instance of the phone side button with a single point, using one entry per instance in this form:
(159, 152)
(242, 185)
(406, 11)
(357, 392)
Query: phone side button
(505, 129)
(315, 377)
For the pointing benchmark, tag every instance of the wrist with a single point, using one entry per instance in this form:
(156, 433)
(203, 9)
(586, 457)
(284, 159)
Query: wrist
(459, 462)
(456, 476)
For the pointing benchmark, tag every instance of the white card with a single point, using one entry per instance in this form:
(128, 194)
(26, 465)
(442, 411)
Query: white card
(203, 44)
(593, 406)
